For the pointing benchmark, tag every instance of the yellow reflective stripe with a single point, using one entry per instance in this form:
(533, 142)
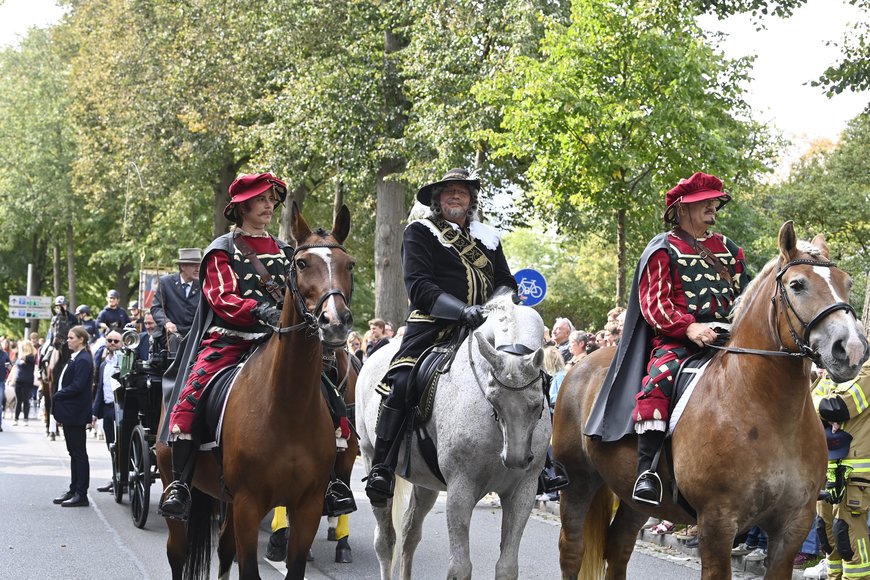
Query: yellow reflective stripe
(862, 545)
(857, 394)
(858, 570)
(824, 387)
(858, 465)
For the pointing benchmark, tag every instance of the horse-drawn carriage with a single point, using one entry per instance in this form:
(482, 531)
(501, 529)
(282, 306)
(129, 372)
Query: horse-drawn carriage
(138, 402)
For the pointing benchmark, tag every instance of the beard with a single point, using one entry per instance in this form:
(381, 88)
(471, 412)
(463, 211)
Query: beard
(453, 213)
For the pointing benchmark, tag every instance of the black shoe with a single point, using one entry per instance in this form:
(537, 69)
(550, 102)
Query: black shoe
(339, 499)
(106, 488)
(276, 549)
(175, 503)
(379, 485)
(555, 482)
(62, 498)
(648, 488)
(77, 500)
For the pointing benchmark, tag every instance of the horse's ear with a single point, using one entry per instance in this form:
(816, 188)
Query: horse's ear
(538, 358)
(787, 241)
(822, 245)
(341, 225)
(486, 350)
(298, 226)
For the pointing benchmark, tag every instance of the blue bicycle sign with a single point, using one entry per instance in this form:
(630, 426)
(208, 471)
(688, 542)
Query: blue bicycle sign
(532, 286)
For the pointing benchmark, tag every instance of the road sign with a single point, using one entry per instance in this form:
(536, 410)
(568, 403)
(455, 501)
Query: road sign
(30, 307)
(532, 286)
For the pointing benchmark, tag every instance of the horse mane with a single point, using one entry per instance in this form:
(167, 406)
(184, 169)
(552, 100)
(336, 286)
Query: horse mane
(505, 324)
(741, 305)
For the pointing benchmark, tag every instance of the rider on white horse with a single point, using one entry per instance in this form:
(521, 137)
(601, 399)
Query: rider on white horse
(452, 264)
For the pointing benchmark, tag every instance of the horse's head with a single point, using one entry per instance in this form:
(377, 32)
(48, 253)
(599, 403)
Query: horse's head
(321, 276)
(510, 341)
(814, 312)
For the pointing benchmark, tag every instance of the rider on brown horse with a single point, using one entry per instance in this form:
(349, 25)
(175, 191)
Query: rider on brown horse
(684, 289)
(452, 264)
(239, 305)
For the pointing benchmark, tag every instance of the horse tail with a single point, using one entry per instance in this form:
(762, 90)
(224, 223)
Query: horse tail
(200, 534)
(401, 501)
(598, 519)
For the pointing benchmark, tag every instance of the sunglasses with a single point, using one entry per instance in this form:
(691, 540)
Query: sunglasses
(113, 340)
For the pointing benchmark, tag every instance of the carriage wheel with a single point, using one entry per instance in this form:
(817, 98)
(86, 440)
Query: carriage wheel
(118, 464)
(140, 476)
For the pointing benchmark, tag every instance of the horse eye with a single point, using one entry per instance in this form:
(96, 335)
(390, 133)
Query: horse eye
(797, 285)
(351, 266)
(301, 264)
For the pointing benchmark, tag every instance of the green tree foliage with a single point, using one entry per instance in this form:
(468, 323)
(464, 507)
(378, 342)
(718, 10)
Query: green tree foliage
(853, 70)
(628, 99)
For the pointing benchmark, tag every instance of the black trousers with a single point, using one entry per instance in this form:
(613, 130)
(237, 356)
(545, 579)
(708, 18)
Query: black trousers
(23, 392)
(109, 424)
(80, 468)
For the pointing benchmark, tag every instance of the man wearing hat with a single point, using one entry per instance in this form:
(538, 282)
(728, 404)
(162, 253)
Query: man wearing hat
(682, 294)
(452, 263)
(112, 316)
(61, 322)
(235, 310)
(842, 510)
(177, 294)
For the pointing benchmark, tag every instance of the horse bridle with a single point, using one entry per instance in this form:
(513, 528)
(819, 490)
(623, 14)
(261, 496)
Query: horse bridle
(514, 349)
(805, 350)
(309, 318)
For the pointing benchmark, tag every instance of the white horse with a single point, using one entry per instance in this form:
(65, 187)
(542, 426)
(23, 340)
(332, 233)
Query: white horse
(491, 428)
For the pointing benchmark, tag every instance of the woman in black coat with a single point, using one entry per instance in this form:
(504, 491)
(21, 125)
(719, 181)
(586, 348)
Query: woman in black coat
(71, 406)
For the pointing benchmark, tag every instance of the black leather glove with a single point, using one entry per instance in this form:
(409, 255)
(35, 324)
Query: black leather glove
(471, 316)
(268, 314)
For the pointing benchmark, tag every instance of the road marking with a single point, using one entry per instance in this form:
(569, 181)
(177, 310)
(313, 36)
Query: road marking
(311, 573)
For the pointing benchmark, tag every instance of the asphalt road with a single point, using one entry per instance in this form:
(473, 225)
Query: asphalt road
(41, 540)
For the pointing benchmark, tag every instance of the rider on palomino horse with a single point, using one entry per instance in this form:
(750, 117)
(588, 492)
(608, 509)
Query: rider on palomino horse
(684, 289)
(238, 307)
(452, 264)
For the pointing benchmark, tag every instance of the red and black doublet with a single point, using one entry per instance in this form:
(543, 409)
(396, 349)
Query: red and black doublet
(225, 328)
(440, 257)
(673, 287)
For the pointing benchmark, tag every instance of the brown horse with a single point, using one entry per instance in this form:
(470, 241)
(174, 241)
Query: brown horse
(749, 449)
(278, 444)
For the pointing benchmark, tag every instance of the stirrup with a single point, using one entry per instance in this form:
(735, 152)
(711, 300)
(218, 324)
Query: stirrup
(652, 478)
(379, 494)
(176, 487)
(339, 499)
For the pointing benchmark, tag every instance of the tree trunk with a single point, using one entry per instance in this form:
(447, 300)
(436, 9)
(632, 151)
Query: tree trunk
(71, 266)
(220, 224)
(298, 195)
(55, 270)
(391, 299)
(122, 283)
(620, 261)
(865, 317)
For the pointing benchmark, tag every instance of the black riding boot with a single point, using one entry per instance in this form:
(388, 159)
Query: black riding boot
(379, 484)
(175, 503)
(648, 487)
(559, 479)
(339, 499)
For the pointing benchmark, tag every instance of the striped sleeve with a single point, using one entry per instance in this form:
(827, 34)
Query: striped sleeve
(221, 290)
(855, 396)
(662, 304)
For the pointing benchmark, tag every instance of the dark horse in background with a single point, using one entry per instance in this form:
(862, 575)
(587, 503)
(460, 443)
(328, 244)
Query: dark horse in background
(749, 449)
(277, 443)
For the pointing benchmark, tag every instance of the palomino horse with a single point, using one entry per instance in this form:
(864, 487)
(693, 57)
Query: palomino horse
(749, 449)
(490, 426)
(277, 443)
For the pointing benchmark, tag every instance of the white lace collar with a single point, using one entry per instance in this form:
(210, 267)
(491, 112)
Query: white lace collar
(485, 234)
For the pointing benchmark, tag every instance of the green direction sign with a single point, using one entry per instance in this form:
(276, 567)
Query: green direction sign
(30, 307)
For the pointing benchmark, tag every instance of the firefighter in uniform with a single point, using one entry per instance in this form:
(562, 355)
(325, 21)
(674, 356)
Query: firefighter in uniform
(235, 312)
(843, 509)
(452, 264)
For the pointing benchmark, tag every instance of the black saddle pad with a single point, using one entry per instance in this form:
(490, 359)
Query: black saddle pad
(423, 379)
(688, 372)
(210, 408)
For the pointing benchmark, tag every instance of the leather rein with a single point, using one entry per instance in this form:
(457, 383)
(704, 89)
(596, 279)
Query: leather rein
(788, 309)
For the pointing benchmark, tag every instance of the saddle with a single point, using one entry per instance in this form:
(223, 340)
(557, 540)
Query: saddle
(422, 386)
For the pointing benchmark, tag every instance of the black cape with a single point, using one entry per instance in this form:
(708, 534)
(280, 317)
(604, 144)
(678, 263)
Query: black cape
(611, 416)
(176, 375)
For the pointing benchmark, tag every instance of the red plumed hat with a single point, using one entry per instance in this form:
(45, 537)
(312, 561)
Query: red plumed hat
(251, 185)
(699, 187)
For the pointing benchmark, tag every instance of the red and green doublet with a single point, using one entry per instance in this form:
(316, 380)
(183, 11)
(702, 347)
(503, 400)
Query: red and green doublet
(675, 289)
(231, 290)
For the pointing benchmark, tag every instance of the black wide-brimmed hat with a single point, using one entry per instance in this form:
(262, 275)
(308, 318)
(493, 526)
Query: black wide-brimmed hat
(424, 196)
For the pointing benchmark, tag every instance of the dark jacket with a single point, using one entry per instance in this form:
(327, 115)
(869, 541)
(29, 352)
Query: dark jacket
(171, 304)
(71, 404)
(114, 318)
(25, 369)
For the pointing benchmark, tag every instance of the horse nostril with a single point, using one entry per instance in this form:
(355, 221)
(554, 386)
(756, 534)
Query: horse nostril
(838, 350)
(347, 319)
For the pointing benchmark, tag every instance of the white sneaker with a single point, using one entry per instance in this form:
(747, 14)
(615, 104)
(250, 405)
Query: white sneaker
(820, 570)
(756, 555)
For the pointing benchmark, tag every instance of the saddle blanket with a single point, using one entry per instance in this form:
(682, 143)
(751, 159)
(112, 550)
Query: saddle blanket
(695, 374)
